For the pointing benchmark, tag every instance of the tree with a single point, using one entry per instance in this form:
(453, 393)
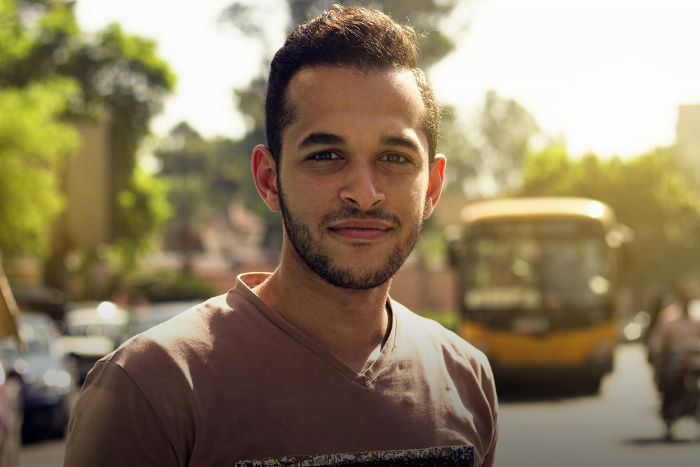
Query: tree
(487, 154)
(205, 177)
(33, 144)
(505, 128)
(187, 163)
(33, 140)
(113, 75)
(648, 193)
(426, 15)
(123, 77)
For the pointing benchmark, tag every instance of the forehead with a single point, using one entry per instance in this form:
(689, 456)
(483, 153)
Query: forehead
(339, 99)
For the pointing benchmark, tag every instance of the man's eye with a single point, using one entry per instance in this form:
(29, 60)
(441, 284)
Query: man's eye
(325, 156)
(395, 158)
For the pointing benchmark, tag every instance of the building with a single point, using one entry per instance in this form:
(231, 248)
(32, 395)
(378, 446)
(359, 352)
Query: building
(688, 138)
(88, 188)
(87, 221)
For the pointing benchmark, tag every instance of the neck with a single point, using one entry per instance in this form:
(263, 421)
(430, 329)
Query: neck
(349, 323)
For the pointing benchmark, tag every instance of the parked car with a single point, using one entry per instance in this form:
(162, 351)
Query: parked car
(10, 388)
(35, 297)
(45, 375)
(91, 332)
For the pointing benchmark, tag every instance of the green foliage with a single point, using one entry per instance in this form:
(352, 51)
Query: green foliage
(33, 139)
(124, 75)
(486, 156)
(460, 152)
(148, 209)
(506, 128)
(14, 43)
(205, 176)
(42, 38)
(220, 167)
(427, 16)
(115, 77)
(431, 244)
(447, 320)
(648, 193)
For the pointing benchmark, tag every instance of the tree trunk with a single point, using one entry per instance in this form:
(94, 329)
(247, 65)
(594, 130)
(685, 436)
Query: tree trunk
(8, 309)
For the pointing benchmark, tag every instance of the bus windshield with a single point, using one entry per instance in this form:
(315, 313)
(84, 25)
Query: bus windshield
(536, 265)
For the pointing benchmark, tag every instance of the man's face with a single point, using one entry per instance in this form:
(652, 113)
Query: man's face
(354, 174)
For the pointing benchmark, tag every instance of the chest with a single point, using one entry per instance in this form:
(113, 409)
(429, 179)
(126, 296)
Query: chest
(287, 410)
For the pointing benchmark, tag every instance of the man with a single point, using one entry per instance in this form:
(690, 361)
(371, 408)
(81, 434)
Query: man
(312, 364)
(675, 337)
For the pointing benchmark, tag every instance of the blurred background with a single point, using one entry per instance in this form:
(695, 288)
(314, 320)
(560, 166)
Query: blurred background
(125, 195)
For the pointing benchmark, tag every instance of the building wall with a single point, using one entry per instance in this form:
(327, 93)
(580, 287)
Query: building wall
(88, 188)
(425, 289)
(688, 137)
(449, 209)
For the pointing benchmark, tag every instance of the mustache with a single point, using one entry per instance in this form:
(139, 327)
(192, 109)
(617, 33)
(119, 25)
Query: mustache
(350, 212)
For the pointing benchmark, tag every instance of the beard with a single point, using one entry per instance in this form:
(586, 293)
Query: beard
(309, 250)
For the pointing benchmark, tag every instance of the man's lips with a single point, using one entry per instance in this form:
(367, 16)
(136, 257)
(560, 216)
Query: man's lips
(360, 229)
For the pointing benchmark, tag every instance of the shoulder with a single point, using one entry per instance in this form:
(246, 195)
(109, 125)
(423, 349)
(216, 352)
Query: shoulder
(428, 334)
(172, 343)
(155, 372)
(185, 326)
(111, 402)
(226, 329)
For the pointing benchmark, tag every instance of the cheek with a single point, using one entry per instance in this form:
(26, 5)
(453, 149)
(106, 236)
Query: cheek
(307, 206)
(421, 189)
(414, 199)
(303, 194)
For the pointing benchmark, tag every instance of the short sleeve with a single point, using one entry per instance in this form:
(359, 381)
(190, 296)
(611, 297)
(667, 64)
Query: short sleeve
(489, 388)
(114, 424)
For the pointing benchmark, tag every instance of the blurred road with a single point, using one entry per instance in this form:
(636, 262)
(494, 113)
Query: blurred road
(618, 427)
(43, 454)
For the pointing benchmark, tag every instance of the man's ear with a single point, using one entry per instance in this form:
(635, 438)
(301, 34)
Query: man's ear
(436, 178)
(264, 171)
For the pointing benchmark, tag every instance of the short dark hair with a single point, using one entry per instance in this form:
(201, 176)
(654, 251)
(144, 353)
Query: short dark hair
(357, 37)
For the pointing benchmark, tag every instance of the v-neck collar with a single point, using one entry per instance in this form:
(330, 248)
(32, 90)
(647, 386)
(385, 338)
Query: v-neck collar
(370, 372)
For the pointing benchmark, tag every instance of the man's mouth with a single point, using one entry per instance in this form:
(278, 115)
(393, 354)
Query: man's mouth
(360, 229)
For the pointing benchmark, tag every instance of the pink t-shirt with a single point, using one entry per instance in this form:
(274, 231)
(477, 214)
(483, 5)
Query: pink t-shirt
(230, 381)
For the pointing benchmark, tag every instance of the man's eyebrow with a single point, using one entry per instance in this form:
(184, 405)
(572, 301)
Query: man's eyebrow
(402, 141)
(320, 138)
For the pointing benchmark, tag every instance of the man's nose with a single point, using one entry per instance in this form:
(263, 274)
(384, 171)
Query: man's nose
(361, 188)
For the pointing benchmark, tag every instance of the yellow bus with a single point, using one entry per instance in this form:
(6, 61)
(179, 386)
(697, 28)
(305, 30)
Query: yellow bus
(537, 283)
